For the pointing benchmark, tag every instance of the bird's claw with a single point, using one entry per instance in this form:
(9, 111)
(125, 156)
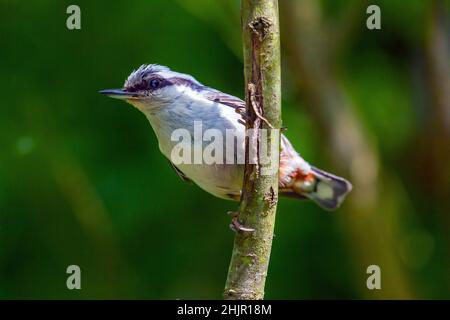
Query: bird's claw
(235, 225)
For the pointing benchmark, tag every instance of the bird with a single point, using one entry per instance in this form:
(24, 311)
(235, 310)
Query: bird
(172, 101)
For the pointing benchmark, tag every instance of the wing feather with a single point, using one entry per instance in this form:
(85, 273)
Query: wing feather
(226, 99)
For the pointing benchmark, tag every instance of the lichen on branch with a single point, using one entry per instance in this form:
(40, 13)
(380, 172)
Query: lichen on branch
(251, 253)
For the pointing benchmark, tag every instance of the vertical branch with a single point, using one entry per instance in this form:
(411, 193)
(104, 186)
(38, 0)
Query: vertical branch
(250, 258)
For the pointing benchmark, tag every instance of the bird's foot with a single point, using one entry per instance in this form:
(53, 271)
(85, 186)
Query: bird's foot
(235, 225)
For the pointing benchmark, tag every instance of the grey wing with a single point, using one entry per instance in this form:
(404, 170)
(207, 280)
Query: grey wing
(228, 100)
(290, 160)
(180, 173)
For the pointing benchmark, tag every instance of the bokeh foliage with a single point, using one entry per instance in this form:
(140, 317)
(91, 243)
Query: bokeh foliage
(82, 180)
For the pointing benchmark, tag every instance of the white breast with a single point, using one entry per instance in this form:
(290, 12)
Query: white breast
(222, 180)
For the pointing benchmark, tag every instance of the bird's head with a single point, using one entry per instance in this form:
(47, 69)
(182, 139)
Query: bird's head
(152, 87)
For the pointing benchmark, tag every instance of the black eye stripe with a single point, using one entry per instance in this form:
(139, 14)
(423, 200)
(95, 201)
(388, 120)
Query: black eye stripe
(185, 82)
(156, 82)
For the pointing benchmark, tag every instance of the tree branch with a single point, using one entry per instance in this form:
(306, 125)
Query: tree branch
(251, 253)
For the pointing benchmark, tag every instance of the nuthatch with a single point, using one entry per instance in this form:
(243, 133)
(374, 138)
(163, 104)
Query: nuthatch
(172, 100)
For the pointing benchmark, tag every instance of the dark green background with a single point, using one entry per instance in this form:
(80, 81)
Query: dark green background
(82, 180)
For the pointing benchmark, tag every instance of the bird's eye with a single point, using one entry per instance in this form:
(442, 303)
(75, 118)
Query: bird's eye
(154, 83)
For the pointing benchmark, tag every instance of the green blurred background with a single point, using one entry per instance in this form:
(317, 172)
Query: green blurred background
(82, 180)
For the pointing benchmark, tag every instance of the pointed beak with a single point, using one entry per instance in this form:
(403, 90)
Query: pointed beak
(120, 94)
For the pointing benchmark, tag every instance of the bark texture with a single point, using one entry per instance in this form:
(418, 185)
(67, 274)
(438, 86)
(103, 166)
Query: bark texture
(251, 253)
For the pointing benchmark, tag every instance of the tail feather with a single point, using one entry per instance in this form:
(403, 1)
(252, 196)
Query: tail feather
(327, 190)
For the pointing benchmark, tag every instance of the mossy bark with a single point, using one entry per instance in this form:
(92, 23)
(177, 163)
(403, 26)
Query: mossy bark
(251, 253)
